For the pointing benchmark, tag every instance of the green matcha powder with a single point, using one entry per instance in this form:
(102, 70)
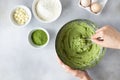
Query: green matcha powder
(39, 37)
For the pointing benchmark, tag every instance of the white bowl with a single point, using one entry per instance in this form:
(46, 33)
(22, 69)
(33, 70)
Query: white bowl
(35, 2)
(31, 42)
(28, 12)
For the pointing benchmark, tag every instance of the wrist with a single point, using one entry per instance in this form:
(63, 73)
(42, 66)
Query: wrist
(85, 77)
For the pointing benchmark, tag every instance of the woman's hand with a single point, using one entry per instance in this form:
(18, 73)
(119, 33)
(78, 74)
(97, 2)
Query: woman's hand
(82, 75)
(111, 37)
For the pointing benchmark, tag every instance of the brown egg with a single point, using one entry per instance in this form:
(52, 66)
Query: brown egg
(96, 7)
(85, 3)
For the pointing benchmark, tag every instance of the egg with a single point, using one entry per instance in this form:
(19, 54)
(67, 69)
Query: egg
(85, 3)
(96, 7)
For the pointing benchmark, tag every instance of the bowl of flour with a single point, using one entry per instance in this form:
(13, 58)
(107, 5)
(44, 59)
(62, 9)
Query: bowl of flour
(46, 11)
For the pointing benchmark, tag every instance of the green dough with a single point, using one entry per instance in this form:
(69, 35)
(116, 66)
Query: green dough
(71, 42)
(39, 37)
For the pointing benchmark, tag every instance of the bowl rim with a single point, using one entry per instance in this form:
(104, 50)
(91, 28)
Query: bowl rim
(31, 42)
(35, 2)
(28, 12)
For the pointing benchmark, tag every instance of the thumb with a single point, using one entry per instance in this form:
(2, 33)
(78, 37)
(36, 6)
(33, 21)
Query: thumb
(96, 41)
(95, 37)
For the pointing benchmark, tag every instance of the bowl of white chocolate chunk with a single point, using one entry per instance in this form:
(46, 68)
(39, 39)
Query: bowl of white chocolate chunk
(20, 15)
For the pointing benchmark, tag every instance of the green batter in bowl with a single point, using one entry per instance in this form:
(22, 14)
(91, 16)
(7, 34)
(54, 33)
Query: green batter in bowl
(73, 46)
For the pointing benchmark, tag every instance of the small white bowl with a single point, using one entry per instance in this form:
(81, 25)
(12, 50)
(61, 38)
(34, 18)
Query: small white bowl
(35, 2)
(30, 39)
(28, 12)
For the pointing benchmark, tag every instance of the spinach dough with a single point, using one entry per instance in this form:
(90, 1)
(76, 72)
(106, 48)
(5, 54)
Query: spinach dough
(70, 45)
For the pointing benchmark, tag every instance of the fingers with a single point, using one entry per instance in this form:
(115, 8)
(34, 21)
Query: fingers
(96, 38)
(76, 73)
(103, 28)
(59, 61)
(67, 68)
(98, 34)
(97, 41)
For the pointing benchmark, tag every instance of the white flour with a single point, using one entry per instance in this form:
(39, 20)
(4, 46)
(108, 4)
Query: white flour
(48, 10)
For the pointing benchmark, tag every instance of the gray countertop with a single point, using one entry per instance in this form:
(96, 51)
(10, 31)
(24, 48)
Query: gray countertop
(20, 61)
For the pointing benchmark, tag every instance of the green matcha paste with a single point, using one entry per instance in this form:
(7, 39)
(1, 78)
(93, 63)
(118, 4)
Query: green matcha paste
(71, 45)
(39, 37)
